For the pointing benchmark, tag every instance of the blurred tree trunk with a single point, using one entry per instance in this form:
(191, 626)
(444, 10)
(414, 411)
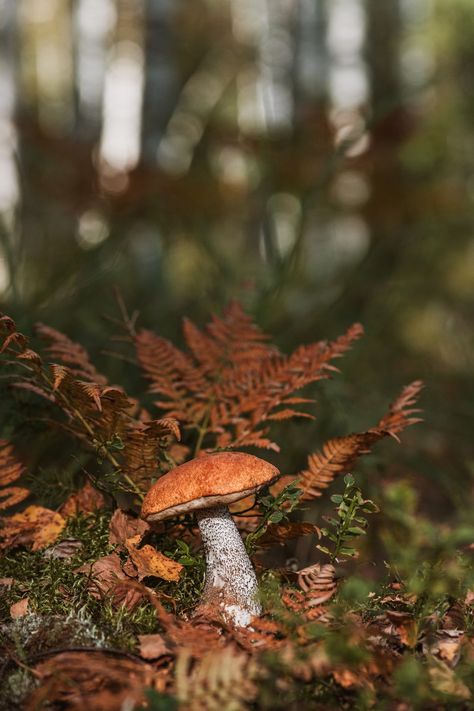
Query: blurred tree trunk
(384, 26)
(161, 81)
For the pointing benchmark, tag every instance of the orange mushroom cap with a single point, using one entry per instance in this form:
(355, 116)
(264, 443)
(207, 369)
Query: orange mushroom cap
(208, 480)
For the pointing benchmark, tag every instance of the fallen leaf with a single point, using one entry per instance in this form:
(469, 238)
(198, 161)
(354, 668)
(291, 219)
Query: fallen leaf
(153, 646)
(19, 609)
(447, 646)
(104, 573)
(123, 526)
(150, 562)
(66, 548)
(129, 593)
(86, 500)
(36, 526)
(444, 680)
(346, 678)
(91, 680)
(404, 626)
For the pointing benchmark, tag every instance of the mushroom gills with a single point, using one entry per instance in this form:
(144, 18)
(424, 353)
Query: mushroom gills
(231, 583)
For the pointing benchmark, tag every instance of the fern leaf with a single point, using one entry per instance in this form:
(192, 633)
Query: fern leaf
(233, 382)
(319, 580)
(12, 495)
(10, 468)
(339, 454)
(221, 679)
(400, 412)
(66, 352)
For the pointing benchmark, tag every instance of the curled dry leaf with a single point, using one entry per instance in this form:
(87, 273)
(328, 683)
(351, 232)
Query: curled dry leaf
(153, 646)
(67, 548)
(91, 680)
(86, 500)
(319, 580)
(123, 526)
(35, 527)
(197, 636)
(19, 609)
(150, 562)
(104, 574)
(129, 593)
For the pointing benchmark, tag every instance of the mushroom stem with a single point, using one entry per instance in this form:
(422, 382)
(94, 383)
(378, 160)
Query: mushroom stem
(231, 583)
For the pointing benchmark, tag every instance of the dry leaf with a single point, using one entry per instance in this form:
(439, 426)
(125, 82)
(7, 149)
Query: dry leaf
(86, 500)
(104, 573)
(129, 593)
(96, 680)
(153, 646)
(150, 562)
(447, 646)
(123, 526)
(198, 635)
(19, 609)
(444, 680)
(36, 526)
(347, 678)
(404, 626)
(66, 548)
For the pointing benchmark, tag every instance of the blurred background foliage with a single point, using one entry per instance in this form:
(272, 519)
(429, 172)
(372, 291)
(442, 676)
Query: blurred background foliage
(310, 158)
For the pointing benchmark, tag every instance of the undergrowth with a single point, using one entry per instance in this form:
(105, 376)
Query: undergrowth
(369, 605)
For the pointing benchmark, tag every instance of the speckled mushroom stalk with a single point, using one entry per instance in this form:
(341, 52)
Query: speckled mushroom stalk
(231, 583)
(205, 486)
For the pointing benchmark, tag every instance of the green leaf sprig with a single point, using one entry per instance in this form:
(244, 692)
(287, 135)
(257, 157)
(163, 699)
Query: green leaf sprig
(349, 524)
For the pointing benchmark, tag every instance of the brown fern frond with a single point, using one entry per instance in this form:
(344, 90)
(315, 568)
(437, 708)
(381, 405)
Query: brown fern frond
(142, 442)
(66, 352)
(232, 383)
(10, 470)
(319, 580)
(221, 679)
(400, 412)
(339, 454)
(172, 376)
(15, 343)
(303, 604)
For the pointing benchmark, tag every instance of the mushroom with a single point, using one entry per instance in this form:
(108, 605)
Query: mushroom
(206, 485)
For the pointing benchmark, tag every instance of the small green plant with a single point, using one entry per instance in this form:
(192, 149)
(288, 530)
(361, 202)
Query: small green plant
(349, 524)
(274, 509)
